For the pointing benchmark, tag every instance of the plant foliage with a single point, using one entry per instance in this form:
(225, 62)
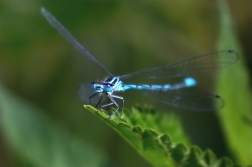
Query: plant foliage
(148, 132)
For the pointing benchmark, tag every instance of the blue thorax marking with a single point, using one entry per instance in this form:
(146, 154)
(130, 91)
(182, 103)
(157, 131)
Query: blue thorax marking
(109, 85)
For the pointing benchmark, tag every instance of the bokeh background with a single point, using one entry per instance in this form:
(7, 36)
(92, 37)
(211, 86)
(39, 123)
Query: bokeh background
(40, 67)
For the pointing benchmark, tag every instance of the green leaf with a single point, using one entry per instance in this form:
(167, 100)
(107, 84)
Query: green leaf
(39, 140)
(210, 157)
(148, 132)
(233, 85)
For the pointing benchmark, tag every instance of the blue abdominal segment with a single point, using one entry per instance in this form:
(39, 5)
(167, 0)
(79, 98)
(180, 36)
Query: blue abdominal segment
(187, 82)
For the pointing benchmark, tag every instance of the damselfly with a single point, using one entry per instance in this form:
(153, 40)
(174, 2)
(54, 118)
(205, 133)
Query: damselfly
(173, 94)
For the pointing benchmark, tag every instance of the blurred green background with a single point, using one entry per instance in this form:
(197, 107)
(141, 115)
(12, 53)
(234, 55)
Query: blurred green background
(43, 70)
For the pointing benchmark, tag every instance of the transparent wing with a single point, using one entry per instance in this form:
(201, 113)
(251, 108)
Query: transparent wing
(66, 34)
(188, 99)
(195, 65)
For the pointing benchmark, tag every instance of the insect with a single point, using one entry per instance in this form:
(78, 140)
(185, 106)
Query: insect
(173, 94)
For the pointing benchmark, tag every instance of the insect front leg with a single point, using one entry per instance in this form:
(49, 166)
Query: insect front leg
(101, 97)
(92, 97)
